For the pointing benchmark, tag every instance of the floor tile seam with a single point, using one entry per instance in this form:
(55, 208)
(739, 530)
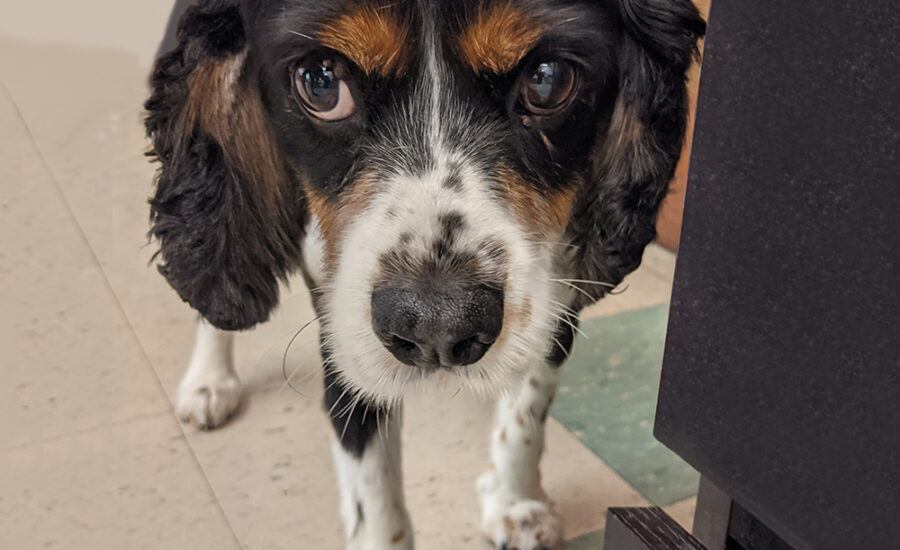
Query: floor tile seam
(83, 236)
(617, 475)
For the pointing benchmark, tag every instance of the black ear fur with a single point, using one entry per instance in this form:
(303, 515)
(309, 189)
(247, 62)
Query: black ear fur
(614, 218)
(228, 220)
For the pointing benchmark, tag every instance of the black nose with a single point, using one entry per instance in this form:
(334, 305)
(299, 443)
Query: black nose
(437, 326)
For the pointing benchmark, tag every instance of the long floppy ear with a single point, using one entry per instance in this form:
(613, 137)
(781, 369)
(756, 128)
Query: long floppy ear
(614, 218)
(227, 217)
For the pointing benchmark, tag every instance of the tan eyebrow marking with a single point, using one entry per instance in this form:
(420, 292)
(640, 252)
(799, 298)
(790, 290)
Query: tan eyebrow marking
(376, 39)
(499, 38)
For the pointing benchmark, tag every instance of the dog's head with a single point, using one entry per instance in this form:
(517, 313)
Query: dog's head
(456, 179)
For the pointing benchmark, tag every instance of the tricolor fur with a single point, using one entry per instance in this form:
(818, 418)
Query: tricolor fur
(439, 177)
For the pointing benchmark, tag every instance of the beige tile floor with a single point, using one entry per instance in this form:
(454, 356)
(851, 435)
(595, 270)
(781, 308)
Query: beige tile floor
(93, 457)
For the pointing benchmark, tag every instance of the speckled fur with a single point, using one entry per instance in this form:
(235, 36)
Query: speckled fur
(439, 173)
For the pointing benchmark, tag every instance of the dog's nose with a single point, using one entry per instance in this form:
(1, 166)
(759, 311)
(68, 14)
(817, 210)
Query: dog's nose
(437, 326)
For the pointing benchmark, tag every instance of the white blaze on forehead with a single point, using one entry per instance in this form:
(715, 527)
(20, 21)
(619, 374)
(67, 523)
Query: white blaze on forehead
(435, 66)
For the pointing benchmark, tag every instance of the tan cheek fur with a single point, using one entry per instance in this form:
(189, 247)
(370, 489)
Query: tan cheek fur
(335, 214)
(541, 213)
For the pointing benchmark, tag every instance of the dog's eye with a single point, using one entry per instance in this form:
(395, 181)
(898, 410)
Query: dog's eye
(549, 87)
(322, 91)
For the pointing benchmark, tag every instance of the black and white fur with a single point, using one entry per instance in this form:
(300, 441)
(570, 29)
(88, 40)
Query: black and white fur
(229, 230)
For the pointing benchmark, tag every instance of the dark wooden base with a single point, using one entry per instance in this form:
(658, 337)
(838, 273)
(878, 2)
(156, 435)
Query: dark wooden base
(645, 529)
(720, 523)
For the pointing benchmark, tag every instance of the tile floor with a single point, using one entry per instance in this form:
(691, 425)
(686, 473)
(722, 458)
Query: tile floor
(93, 457)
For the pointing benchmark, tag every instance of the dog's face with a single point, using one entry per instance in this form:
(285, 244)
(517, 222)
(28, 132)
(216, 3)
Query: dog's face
(450, 168)
(440, 149)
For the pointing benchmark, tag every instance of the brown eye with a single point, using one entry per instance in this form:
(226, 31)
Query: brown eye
(322, 92)
(549, 87)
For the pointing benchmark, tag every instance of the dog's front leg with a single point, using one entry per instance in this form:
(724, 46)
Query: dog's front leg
(366, 449)
(514, 508)
(209, 392)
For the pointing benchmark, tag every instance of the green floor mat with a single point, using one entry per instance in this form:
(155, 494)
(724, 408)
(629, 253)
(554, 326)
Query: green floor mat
(607, 398)
(591, 541)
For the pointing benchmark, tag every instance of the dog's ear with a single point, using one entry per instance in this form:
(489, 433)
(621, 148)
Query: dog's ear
(638, 147)
(227, 219)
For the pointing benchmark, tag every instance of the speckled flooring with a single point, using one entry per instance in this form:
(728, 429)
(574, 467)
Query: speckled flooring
(96, 341)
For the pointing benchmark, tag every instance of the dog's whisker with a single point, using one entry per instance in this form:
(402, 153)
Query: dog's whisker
(365, 412)
(291, 380)
(349, 405)
(570, 285)
(300, 365)
(564, 308)
(378, 432)
(616, 293)
(331, 384)
(356, 401)
(347, 410)
(561, 347)
(308, 37)
(287, 380)
(573, 326)
(584, 281)
(557, 243)
(339, 399)
(565, 318)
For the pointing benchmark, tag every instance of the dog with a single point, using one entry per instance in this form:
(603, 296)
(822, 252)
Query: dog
(455, 181)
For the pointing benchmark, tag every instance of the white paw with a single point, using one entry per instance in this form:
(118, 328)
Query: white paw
(207, 400)
(400, 539)
(513, 523)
